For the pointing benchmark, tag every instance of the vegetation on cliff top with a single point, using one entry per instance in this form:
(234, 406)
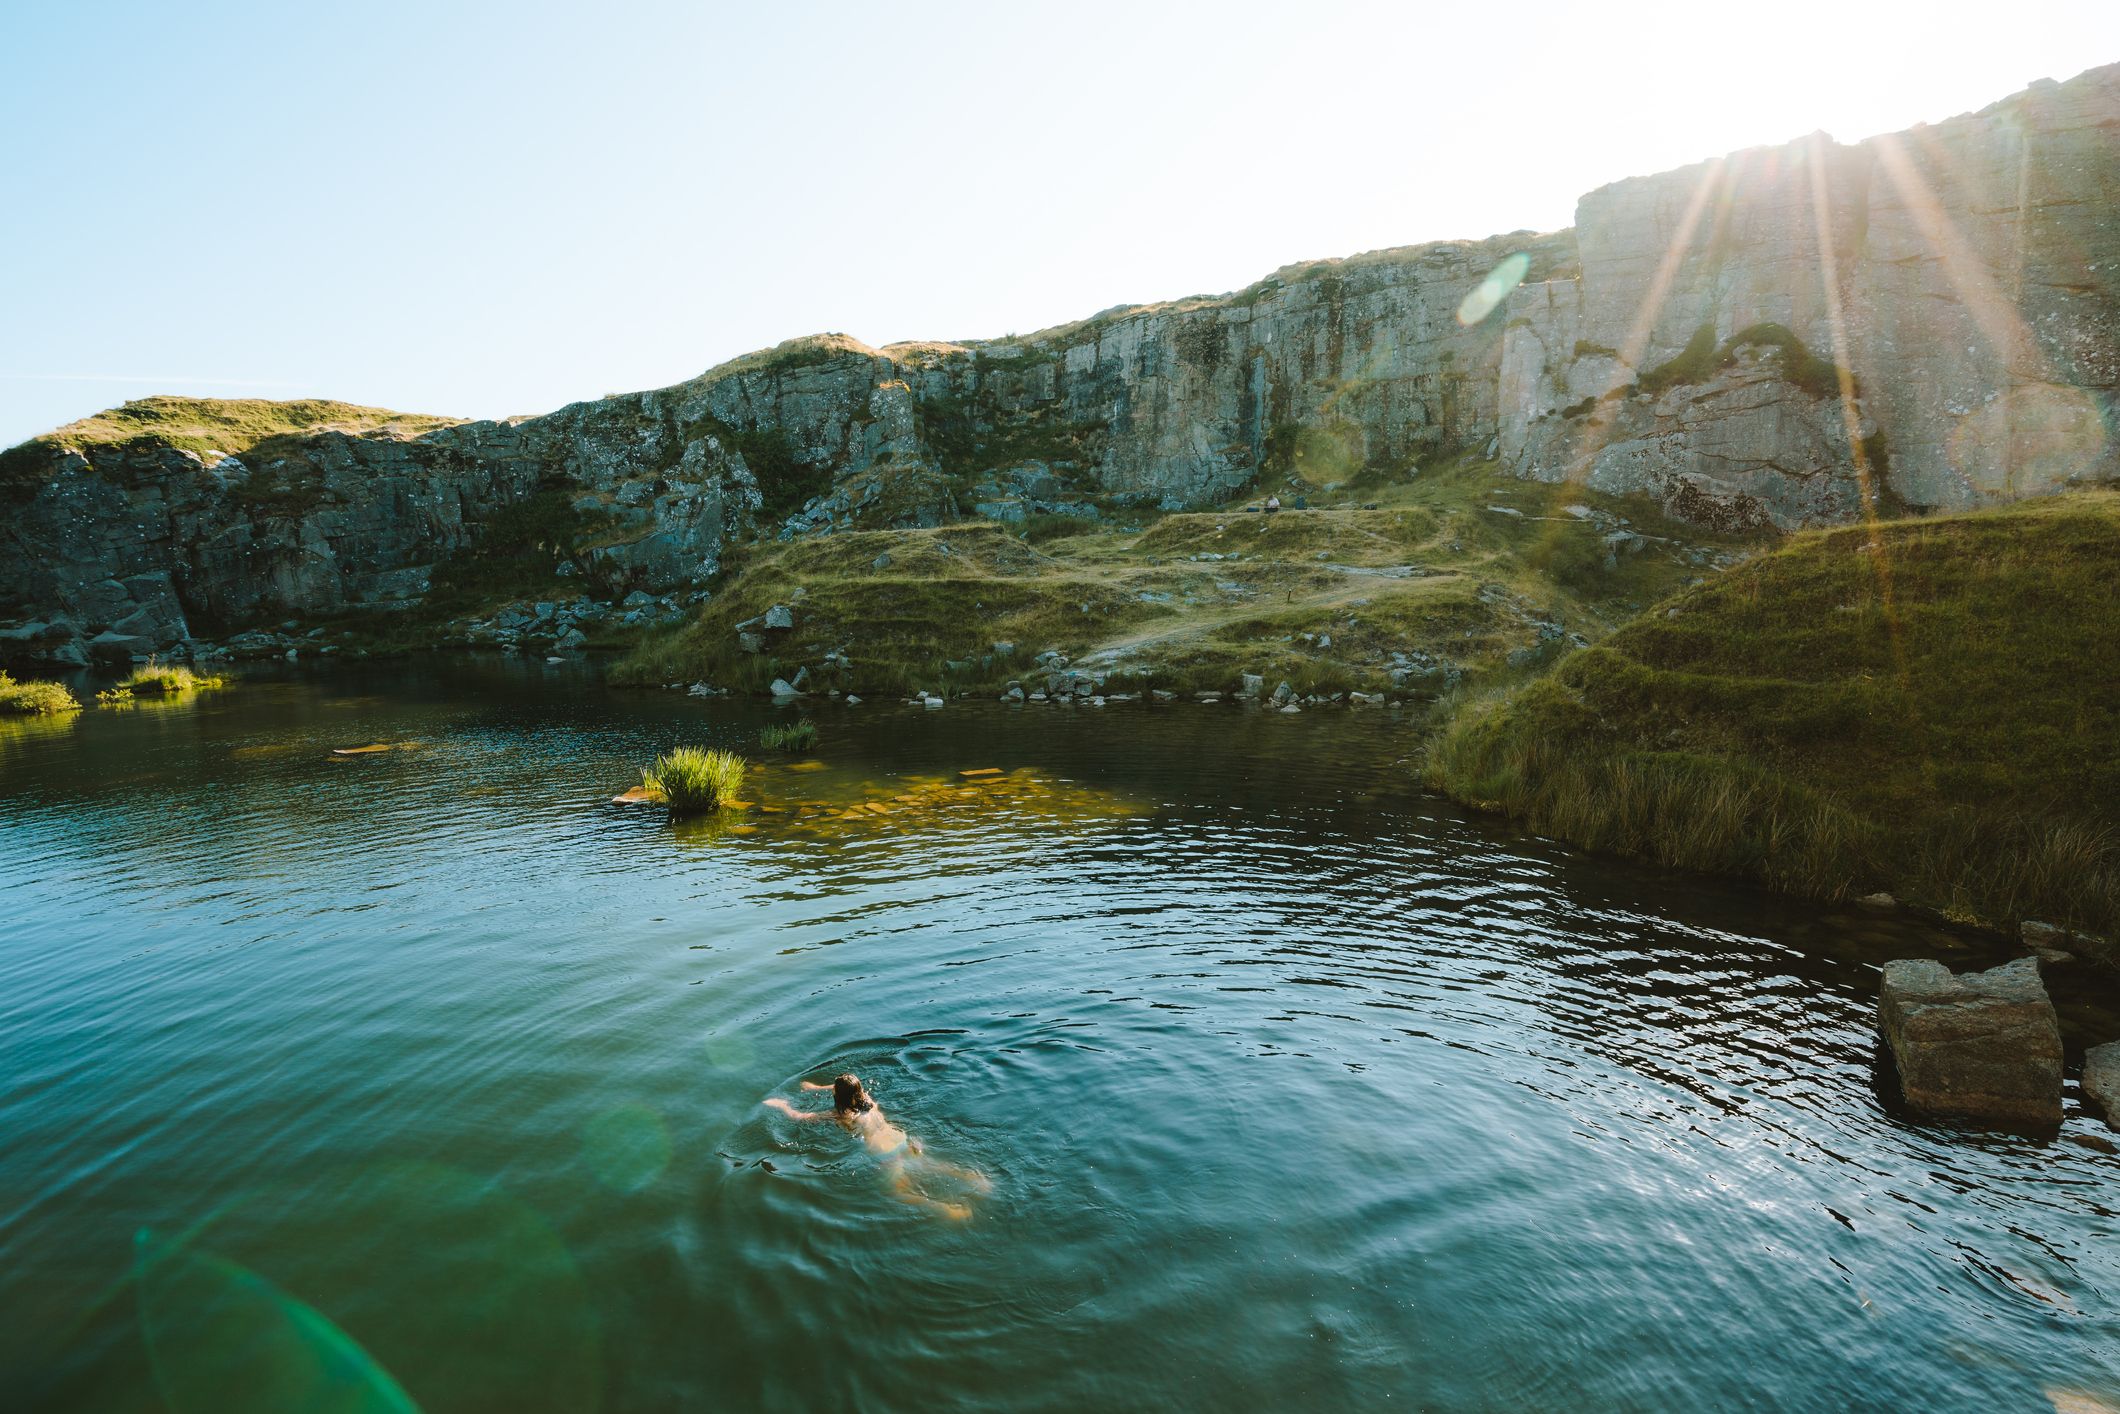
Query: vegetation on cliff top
(231, 425)
(1929, 708)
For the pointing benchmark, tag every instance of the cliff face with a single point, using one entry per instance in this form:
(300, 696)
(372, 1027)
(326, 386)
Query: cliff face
(1750, 339)
(1961, 281)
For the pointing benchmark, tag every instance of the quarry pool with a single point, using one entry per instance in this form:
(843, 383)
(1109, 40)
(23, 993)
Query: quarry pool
(433, 1073)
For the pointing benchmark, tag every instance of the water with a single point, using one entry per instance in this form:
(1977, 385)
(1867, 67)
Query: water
(1298, 1089)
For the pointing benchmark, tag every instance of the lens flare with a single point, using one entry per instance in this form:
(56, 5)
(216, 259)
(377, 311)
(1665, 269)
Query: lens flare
(221, 1340)
(1488, 294)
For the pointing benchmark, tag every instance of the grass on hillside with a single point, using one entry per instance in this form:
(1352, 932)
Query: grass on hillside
(34, 698)
(693, 781)
(1930, 709)
(158, 679)
(1457, 562)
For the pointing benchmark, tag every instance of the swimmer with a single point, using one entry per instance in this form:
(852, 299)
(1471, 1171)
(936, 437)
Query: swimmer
(859, 1114)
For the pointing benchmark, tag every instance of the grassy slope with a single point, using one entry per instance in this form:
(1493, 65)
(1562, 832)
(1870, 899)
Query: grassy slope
(232, 425)
(1465, 583)
(1933, 712)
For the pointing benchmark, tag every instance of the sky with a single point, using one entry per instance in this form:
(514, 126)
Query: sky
(489, 209)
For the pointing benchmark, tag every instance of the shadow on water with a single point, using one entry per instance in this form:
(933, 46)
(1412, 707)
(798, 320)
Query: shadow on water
(436, 1077)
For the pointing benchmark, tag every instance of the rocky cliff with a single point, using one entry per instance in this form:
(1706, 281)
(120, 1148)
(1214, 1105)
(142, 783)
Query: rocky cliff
(1932, 315)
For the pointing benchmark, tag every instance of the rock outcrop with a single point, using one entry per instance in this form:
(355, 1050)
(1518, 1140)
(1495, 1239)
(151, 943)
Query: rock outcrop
(1961, 281)
(1927, 319)
(1979, 1046)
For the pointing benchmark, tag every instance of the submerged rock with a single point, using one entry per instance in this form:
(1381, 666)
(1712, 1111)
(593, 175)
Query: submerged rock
(1979, 1046)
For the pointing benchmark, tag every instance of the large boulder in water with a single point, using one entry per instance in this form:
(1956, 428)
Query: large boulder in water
(2101, 1080)
(1979, 1046)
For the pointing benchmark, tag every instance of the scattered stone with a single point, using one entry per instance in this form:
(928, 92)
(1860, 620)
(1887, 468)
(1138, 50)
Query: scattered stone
(1979, 1046)
(1207, 697)
(783, 688)
(1283, 694)
(881, 562)
(1253, 685)
(852, 700)
(750, 643)
(2043, 935)
(1879, 902)
(1161, 695)
(779, 618)
(2101, 1081)
(2089, 947)
(1004, 650)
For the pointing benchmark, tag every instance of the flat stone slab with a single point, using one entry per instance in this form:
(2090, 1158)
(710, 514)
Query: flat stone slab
(2101, 1081)
(1978, 1046)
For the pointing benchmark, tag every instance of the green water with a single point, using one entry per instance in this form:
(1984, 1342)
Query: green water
(430, 1078)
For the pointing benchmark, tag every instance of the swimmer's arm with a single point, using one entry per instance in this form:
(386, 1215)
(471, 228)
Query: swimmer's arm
(792, 1113)
(813, 1085)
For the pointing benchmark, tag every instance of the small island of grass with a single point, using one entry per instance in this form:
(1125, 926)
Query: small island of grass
(791, 736)
(692, 781)
(34, 699)
(155, 679)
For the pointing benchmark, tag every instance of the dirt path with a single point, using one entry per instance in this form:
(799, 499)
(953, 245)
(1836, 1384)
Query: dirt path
(1357, 582)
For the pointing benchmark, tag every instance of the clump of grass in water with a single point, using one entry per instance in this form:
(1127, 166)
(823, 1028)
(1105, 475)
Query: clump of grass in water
(693, 781)
(34, 698)
(156, 679)
(791, 736)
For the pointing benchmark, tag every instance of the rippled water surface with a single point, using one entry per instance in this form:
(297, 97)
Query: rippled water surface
(1296, 1089)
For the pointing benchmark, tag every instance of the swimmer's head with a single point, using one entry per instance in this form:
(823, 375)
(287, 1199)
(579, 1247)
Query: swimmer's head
(848, 1096)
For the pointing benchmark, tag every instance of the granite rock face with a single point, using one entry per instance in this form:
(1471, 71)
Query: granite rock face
(1961, 281)
(1934, 314)
(1977, 1046)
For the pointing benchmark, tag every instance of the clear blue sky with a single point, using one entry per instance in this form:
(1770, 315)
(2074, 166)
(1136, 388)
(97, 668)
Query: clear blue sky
(487, 209)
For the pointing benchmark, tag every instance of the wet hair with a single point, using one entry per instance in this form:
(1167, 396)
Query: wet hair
(848, 1097)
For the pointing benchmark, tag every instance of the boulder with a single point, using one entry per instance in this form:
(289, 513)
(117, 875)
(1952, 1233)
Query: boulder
(750, 642)
(2101, 1081)
(783, 688)
(1978, 1046)
(118, 649)
(1253, 685)
(779, 618)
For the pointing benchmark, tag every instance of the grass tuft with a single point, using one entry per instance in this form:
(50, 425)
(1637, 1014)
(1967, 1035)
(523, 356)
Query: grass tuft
(693, 781)
(789, 736)
(157, 679)
(34, 698)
